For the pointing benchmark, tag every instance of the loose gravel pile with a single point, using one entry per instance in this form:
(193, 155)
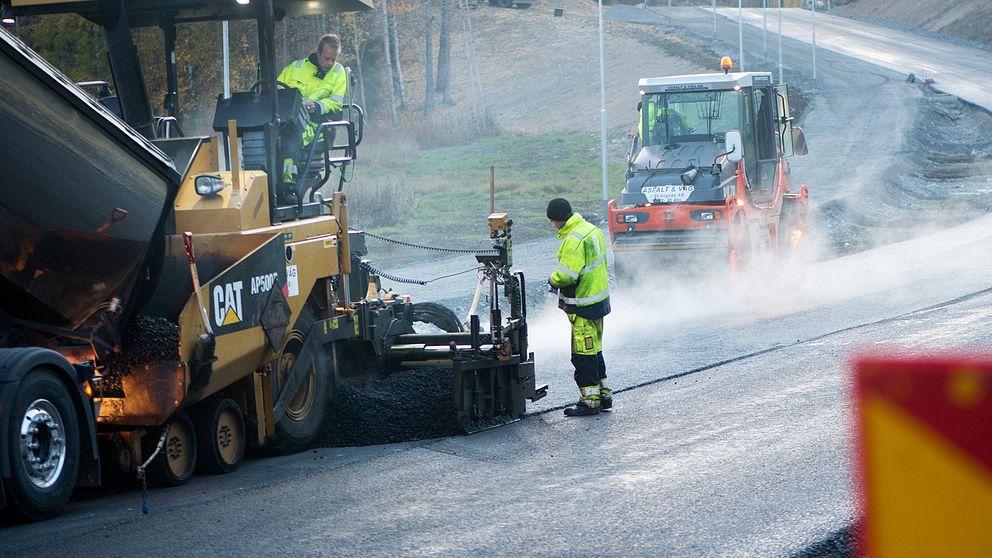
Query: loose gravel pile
(147, 340)
(406, 405)
(944, 177)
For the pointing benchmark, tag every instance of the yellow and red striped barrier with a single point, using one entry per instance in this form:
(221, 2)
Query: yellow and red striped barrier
(924, 440)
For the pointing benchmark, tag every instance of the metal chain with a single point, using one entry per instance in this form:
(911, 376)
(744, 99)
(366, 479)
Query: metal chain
(376, 271)
(490, 252)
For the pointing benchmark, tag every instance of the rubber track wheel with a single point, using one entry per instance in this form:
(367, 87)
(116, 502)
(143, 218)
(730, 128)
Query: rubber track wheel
(437, 315)
(220, 436)
(29, 500)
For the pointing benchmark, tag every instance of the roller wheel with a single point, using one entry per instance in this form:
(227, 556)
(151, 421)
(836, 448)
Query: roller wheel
(305, 413)
(174, 465)
(43, 447)
(220, 433)
(438, 316)
(623, 270)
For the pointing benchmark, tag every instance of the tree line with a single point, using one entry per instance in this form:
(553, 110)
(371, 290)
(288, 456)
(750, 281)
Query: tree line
(381, 47)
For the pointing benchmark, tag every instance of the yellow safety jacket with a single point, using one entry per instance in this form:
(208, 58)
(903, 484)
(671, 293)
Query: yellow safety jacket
(581, 277)
(326, 89)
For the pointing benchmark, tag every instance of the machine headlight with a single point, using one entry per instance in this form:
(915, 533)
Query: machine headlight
(707, 215)
(208, 185)
(632, 218)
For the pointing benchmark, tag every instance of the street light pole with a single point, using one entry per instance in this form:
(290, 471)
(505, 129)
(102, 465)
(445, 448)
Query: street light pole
(227, 60)
(813, 4)
(714, 24)
(764, 30)
(740, 35)
(780, 80)
(602, 112)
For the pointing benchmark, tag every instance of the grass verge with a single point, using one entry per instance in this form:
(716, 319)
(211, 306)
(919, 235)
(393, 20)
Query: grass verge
(440, 195)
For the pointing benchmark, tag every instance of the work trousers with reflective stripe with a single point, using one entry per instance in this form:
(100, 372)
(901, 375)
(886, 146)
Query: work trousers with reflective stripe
(587, 350)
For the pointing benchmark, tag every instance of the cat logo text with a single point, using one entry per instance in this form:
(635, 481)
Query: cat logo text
(227, 304)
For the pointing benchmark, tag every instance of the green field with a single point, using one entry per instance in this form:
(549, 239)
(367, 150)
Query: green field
(440, 195)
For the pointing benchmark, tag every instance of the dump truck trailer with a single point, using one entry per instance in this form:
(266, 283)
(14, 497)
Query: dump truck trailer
(161, 312)
(707, 183)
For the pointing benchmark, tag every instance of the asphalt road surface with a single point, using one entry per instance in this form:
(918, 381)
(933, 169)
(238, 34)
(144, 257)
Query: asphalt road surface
(954, 69)
(732, 424)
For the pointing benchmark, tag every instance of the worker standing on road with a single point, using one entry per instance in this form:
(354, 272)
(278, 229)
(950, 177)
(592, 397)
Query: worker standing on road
(322, 81)
(580, 279)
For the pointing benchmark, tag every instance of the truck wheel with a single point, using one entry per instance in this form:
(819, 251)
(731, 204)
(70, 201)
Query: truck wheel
(304, 416)
(437, 315)
(43, 448)
(174, 465)
(220, 435)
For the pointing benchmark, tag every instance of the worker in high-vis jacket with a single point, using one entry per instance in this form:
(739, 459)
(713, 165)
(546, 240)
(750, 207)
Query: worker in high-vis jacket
(657, 116)
(580, 279)
(323, 83)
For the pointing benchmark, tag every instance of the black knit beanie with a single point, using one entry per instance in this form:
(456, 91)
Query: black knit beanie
(559, 209)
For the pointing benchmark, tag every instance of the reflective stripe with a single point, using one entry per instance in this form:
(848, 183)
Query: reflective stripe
(576, 235)
(567, 271)
(586, 300)
(589, 391)
(338, 98)
(593, 265)
(337, 67)
(299, 63)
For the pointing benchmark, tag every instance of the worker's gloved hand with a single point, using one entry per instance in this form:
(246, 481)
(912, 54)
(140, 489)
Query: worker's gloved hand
(309, 105)
(552, 289)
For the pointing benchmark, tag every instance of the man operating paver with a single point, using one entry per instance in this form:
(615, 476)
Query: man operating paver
(580, 279)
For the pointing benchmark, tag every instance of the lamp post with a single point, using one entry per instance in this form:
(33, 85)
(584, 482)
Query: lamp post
(740, 35)
(813, 4)
(714, 24)
(602, 112)
(780, 80)
(227, 59)
(764, 29)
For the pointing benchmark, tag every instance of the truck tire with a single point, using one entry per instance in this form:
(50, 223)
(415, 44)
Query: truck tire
(44, 447)
(298, 428)
(174, 465)
(437, 315)
(220, 435)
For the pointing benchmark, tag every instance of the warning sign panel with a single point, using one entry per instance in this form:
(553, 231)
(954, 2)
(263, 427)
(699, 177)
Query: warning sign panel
(925, 444)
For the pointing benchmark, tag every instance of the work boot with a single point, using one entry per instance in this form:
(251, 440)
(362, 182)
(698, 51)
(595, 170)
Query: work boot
(588, 403)
(581, 409)
(605, 396)
(605, 402)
